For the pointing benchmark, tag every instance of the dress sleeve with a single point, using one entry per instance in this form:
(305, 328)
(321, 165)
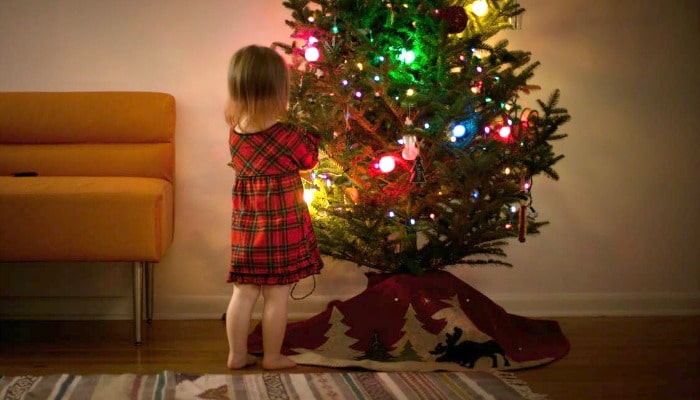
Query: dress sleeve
(305, 149)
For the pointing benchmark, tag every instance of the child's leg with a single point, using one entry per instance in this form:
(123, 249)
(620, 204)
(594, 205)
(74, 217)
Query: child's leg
(274, 324)
(238, 315)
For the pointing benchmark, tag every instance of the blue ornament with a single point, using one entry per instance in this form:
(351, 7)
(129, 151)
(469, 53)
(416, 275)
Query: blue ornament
(464, 131)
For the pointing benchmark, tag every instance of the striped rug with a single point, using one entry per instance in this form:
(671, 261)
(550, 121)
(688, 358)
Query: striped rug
(277, 386)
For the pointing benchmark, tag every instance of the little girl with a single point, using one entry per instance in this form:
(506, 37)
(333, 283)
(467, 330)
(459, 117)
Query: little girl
(272, 242)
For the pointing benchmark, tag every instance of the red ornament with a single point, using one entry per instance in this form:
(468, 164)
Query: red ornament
(522, 223)
(522, 218)
(529, 118)
(455, 17)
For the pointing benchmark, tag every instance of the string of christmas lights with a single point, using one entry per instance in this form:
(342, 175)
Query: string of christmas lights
(423, 129)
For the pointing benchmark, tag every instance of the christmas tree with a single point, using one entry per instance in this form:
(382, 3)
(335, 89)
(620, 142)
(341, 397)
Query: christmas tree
(428, 152)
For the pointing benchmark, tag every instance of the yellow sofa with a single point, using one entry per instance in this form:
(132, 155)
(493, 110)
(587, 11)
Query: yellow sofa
(88, 176)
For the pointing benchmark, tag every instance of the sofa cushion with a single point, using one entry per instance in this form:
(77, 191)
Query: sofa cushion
(152, 160)
(86, 117)
(88, 133)
(85, 218)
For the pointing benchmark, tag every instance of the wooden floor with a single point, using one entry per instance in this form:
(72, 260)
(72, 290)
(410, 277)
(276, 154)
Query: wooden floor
(610, 358)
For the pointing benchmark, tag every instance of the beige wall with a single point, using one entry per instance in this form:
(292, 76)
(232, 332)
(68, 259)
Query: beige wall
(623, 237)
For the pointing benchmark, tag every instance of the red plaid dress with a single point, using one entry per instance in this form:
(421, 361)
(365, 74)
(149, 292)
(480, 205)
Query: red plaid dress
(272, 240)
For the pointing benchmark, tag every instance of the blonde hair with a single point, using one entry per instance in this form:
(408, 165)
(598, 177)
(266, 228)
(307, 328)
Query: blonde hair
(258, 85)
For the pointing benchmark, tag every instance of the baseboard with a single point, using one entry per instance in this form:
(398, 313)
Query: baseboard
(529, 305)
(212, 307)
(119, 308)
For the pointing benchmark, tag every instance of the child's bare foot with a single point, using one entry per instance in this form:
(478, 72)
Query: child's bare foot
(238, 363)
(279, 362)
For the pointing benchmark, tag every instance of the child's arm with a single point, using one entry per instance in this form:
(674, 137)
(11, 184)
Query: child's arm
(234, 171)
(305, 174)
(305, 150)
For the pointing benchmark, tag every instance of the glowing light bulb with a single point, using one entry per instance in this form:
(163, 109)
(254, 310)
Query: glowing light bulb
(480, 7)
(507, 171)
(387, 164)
(458, 131)
(312, 54)
(312, 40)
(504, 132)
(410, 92)
(377, 78)
(309, 195)
(407, 56)
(358, 94)
(392, 214)
(412, 221)
(360, 66)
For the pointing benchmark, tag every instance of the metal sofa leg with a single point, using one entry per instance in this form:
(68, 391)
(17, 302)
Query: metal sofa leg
(138, 300)
(149, 292)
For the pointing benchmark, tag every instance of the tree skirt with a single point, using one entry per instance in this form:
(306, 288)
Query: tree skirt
(432, 322)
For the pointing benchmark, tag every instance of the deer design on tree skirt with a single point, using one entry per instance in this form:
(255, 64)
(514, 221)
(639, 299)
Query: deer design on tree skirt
(468, 353)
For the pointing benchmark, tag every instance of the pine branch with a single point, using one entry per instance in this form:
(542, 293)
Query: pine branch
(356, 98)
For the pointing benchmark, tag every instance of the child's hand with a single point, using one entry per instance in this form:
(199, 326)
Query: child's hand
(306, 175)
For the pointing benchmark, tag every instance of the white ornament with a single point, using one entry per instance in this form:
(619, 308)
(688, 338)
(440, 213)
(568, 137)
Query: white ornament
(410, 149)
